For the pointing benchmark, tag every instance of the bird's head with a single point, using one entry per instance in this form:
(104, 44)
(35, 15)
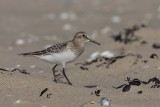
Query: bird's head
(83, 37)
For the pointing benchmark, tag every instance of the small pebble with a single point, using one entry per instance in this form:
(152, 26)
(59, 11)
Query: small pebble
(32, 66)
(158, 68)
(64, 16)
(8, 95)
(145, 67)
(106, 30)
(67, 27)
(20, 42)
(92, 102)
(18, 66)
(116, 19)
(17, 102)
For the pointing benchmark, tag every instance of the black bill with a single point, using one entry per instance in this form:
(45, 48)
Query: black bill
(94, 42)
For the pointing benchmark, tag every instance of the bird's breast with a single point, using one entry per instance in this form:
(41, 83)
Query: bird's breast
(79, 51)
(59, 58)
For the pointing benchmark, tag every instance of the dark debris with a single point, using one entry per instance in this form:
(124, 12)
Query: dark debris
(126, 87)
(137, 82)
(49, 95)
(156, 82)
(97, 92)
(91, 86)
(153, 56)
(106, 61)
(15, 69)
(43, 91)
(3, 69)
(83, 67)
(143, 42)
(128, 35)
(156, 45)
(140, 92)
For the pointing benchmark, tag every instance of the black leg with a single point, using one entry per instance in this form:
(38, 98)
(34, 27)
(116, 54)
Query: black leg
(66, 77)
(53, 69)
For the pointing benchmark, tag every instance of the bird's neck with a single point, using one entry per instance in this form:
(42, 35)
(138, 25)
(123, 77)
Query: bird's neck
(78, 47)
(78, 44)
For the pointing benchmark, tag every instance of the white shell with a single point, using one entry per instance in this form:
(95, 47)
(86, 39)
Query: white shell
(105, 102)
(93, 56)
(107, 54)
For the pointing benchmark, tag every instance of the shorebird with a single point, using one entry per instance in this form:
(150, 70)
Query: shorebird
(62, 53)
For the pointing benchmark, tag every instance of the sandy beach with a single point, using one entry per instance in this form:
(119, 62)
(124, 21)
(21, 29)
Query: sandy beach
(128, 31)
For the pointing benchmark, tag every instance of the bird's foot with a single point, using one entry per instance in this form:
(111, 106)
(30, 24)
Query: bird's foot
(55, 81)
(69, 83)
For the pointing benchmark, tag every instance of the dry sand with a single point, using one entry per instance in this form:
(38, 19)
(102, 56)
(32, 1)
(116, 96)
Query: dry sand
(35, 24)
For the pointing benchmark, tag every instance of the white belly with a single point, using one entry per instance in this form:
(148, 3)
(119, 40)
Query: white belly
(59, 58)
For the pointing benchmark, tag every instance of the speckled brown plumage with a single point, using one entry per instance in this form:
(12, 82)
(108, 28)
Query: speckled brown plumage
(52, 49)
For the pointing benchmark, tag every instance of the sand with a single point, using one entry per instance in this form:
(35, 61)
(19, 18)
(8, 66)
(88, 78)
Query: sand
(32, 25)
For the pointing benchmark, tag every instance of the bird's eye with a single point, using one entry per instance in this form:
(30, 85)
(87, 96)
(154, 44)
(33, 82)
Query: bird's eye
(84, 35)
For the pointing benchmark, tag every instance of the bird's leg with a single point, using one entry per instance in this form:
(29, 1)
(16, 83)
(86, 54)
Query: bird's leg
(66, 77)
(53, 69)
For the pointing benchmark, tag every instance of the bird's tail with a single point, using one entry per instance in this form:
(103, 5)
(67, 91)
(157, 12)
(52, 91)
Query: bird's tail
(24, 54)
(29, 53)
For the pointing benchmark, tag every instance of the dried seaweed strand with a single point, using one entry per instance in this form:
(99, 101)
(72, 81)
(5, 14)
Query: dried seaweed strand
(15, 69)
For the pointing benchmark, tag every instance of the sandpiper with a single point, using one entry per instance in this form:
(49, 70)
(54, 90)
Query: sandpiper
(63, 53)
